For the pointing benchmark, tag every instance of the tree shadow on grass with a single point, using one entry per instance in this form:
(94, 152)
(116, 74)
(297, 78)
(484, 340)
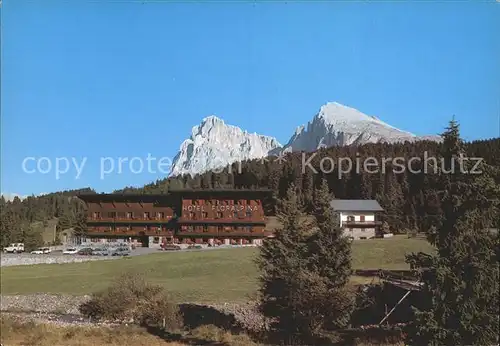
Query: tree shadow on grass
(199, 315)
(195, 316)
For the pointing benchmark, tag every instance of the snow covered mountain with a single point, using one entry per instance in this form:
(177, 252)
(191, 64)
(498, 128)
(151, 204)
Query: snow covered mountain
(214, 144)
(339, 125)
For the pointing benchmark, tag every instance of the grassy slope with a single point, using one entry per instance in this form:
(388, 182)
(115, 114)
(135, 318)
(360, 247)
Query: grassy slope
(226, 275)
(15, 333)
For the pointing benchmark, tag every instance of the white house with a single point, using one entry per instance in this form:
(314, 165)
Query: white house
(358, 216)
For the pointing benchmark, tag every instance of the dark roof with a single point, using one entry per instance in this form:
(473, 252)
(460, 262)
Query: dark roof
(355, 205)
(219, 190)
(123, 197)
(165, 196)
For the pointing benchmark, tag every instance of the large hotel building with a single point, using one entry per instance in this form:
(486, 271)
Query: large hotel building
(212, 216)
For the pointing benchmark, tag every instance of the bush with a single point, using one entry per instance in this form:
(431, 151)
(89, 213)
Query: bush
(159, 312)
(131, 298)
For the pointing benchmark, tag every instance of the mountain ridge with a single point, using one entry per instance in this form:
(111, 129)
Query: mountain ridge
(213, 144)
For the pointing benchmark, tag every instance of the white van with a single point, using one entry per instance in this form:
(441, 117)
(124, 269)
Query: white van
(14, 248)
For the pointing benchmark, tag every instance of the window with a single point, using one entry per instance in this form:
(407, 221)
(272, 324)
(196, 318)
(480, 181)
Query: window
(205, 228)
(350, 218)
(112, 214)
(361, 218)
(146, 215)
(97, 215)
(130, 215)
(156, 240)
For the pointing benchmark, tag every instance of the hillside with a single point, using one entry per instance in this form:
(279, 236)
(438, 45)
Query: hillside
(411, 200)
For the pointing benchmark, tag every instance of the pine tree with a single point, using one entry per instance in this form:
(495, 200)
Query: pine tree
(330, 258)
(461, 281)
(32, 237)
(307, 188)
(9, 228)
(281, 262)
(80, 224)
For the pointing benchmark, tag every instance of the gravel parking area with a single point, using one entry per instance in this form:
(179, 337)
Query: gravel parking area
(28, 259)
(58, 257)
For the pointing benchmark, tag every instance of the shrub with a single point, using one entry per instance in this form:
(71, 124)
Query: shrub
(131, 298)
(159, 312)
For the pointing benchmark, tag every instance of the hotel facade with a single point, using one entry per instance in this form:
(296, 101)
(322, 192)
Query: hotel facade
(212, 216)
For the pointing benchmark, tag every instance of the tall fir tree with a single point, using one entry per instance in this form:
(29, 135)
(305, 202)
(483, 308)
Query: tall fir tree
(460, 281)
(281, 263)
(330, 258)
(32, 237)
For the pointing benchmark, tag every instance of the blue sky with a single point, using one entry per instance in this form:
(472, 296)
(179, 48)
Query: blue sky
(124, 79)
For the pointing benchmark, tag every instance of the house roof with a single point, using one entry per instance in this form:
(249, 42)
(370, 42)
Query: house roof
(145, 197)
(355, 205)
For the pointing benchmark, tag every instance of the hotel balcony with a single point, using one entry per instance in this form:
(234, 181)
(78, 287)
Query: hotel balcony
(236, 220)
(223, 234)
(129, 232)
(360, 224)
(132, 220)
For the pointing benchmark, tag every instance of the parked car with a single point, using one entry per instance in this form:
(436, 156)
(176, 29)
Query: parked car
(100, 252)
(171, 247)
(120, 252)
(70, 251)
(41, 251)
(14, 248)
(85, 252)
